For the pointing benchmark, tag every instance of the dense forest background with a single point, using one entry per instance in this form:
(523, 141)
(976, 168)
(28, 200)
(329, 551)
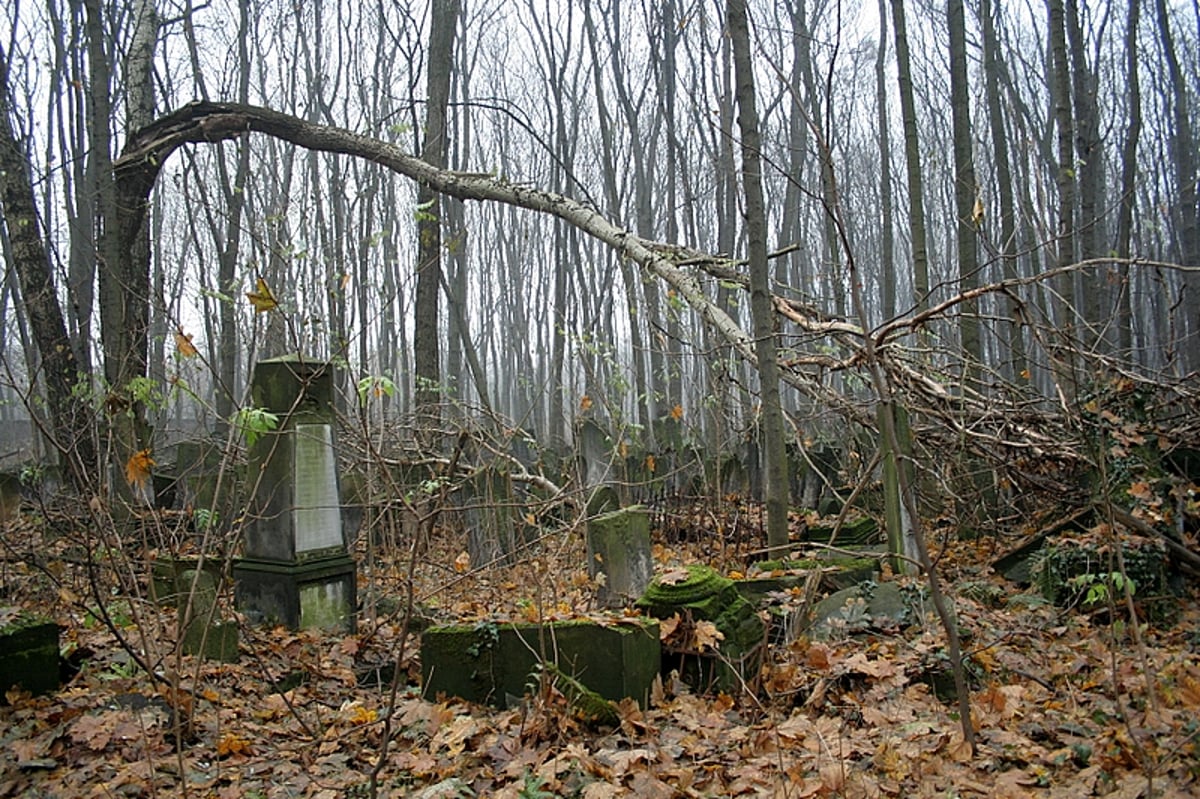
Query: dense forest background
(778, 272)
(909, 151)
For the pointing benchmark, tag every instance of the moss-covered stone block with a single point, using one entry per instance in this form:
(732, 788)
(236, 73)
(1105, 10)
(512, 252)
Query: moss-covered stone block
(203, 633)
(701, 594)
(854, 532)
(28, 655)
(489, 662)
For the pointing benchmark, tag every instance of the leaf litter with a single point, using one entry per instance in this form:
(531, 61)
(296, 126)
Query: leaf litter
(1062, 704)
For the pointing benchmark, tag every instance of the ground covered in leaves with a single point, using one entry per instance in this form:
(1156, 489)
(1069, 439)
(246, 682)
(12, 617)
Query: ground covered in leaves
(1065, 703)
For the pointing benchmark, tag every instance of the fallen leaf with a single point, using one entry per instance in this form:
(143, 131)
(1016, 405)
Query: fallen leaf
(674, 576)
(706, 635)
(232, 744)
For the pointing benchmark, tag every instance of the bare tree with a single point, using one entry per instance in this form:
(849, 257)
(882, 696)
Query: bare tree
(774, 435)
(426, 346)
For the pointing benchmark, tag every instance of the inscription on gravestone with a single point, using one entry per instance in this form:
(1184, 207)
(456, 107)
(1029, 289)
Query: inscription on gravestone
(317, 515)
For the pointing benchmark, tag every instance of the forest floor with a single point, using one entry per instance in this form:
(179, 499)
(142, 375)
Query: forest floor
(1064, 703)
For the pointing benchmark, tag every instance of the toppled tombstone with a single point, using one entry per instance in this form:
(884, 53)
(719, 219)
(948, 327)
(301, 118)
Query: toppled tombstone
(28, 653)
(495, 663)
(618, 547)
(718, 637)
(856, 531)
(870, 606)
(786, 589)
(202, 634)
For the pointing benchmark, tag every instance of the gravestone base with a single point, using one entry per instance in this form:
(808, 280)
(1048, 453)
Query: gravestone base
(319, 593)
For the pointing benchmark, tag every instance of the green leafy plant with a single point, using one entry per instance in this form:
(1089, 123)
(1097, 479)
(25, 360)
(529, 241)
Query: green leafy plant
(1101, 586)
(375, 386)
(253, 423)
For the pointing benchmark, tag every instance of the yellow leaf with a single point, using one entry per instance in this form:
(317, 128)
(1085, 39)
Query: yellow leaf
(184, 345)
(677, 412)
(1025, 374)
(585, 402)
(261, 298)
(137, 468)
(462, 562)
(361, 715)
(650, 463)
(977, 211)
(232, 745)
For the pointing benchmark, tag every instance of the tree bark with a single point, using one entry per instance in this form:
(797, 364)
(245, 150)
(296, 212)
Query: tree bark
(70, 421)
(761, 303)
(1014, 366)
(1133, 132)
(965, 189)
(912, 157)
(426, 333)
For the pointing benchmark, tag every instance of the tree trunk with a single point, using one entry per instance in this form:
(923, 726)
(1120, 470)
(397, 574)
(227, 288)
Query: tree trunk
(965, 190)
(912, 157)
(1089, 169)
(887, 244)
(1185, 212)
(1014, 366)
(427, 350)
(70, 422)
(1133, 132)
(1060, 90)
(761, 304)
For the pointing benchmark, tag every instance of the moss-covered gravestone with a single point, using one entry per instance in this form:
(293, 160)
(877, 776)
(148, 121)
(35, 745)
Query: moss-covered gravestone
(491, 663)
(698, 593)
(295, 570)
(28, 653)
(618, 547)
(203, 632)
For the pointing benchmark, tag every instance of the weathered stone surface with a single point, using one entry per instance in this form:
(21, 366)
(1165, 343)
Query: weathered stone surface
(489, 662)
(203, 634)
(167, 578)
(870, 606)
(28, 655)
(296, 570)
(618, 546)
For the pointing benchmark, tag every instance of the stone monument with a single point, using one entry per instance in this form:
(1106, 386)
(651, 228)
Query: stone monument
(295, 568)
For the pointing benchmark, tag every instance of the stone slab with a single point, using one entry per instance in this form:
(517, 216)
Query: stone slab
(488, 663)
